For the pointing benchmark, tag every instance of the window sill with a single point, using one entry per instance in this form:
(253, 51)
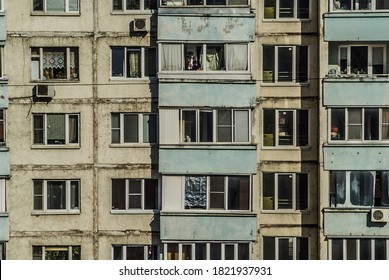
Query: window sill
(285, 84)
(296, 212)
(66, 14)
(288, 148)
(286, 20)
(134, 12)
(144, 80)
(205, 75)
(54, 147)
(138, 212)
(54, 212)
(134, 145)
(55, 81)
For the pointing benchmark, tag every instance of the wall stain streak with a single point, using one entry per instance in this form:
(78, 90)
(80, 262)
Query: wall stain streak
(231, 24)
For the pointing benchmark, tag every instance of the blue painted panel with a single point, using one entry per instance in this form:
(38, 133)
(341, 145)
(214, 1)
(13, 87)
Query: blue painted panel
(3, 33)
(192, 10)
(189, 160)
(4, 227)
(203, 94)
(206, 28)
(3, 96)
(4, 162)
(208, 227)
(352, 223)
(356, 92)
(356, 27)
(356, 157)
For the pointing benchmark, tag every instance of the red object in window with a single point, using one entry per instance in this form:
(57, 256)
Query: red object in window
(334, 129)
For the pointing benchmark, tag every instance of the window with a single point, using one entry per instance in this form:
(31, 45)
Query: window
(135, 252)
(286, 9)
(2, 126)
(207, 125)
(1, 60)
(133, 62)
(56, 129)
(207, 251)
(1, 5)
(285, 64)
(2, 195)
(2, 250)
(54, 63)
(217, 192)
(56, 6)
(285, 248)
(282, 128)
(134, 194)
(359, 188)
(362, 59)
(133, 128)
(131, 5)
(56, 252)
(204, 57)
(359, 124)
(57, 196)
(358, 249)
(285, 191)
(359, 5)
(204, 3)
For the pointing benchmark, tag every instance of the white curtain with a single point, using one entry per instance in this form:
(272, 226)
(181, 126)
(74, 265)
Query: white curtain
(237, 57)
(171, 57)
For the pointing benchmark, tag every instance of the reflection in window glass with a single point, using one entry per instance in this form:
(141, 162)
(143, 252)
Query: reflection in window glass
(195, 192)
(361, 188)
(337, 249)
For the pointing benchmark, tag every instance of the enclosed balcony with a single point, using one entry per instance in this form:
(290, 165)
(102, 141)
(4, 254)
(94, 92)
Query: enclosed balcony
(4, 227)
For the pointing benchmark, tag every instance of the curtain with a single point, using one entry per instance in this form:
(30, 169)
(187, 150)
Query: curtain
(171, 57)
(237, 57)
(54, 59)
(133, 64)
(56, 129)
(241, 126)
(73, 129)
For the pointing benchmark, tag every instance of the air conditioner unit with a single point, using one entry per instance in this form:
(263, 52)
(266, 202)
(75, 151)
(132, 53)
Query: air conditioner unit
(141, 24)
(380, 215)
(44, 91)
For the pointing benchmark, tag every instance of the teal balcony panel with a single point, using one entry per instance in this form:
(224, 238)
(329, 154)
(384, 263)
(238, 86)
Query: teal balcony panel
(356, 27)
(352, 222)
(207, 95)
(208, 227)
(178, 8)
(356, 157)
(364, 91)
(4, 227)
(208, 160)
(3, 32)
(4, 162)
(206, 28)
(3, 95)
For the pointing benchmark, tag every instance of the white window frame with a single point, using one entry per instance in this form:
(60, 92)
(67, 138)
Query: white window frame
(69, 250)
(208, 246)
(173, 3)
(369, 60)
(2, 6)
(140, 129)
(2, 250)
(294, 192)
(67, 11)
(372, 248)
(276, 242)
(2, 196)
(68, 209)
(346, 127)
(141, 7)
(295, 12)
(2, 75)
(373, 7)
(39, 57)
(142, 195)
(3, 123)
(214, 125)
(45, 131)
(143, 73)
(226, 195)
(146, 248)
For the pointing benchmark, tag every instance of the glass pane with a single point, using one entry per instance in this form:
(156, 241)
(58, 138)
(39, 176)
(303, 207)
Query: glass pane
(118, 194)
(74, 72)
(73, 5)
(351, 249)
(135, 194)
(301, 191)
(151, 59)
(380, 249)
(38, 195)
(337, 249)
(303, 9)
(117, 63)
(224, 126)
(285, 191)
(344, 61)
(385, 188)
(115, 128)
(37, 252)
(217, 198)
(269, 10)
(229, 252)
(285, 249)
(56, 195)
(340, 186)
(186, 252)
(38, 5)
(359, 60)
(172, 251)
(378, 60)
(171, 57)
(57, 253)
(342, 5)
(268, 64)
(150, 4)
(269, 246)
(134, 63)
(56, 129)
(54, 63)
(151, 194)
(2, 126)
(286, 8)
(189, 126)
(361, 188)
(193, 56)
(215, 251)
(362, 4)
(337, 124)
(269, 128)
(365, 249)
(241, 126)
(238, 193)
(355, 124)
(206, 126)
(302, 127)
(55, 5)
(195, 192)
(117, 253)
(131, 128)
(285, 63)
(371, 124)
(215, 57)
(73, 129)
(243, 251)
(285, 128)
(302, 64)
(149, 128)
(385, 124)
(74, 195)
(201, 251)
(382, 4)
(237, 57)
(302, 248)
(268, 191)
(135, 253)
(133, 4)
(38, 129)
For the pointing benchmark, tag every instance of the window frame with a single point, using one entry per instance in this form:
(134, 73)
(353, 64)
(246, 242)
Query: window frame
(276, 128)
(3, 250)
(295, 12)
(2, 6)
(294, 198)
(140, 132)
(373, 8)
(276, 247)
(44, 249)
(66, 11)
(142, 7)
(128, 210)
(225, 192)
(2, 75)
(3, 124)
(150, 252)
(215, 126)
(66, 132)
(3, 206)
(357, 247)
(180, 3)
(68, 197)
(142, 51)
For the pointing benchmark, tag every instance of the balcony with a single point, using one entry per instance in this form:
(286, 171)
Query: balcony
(207, 159)
(4, 162)
(204, 227)
(204, 6)
(3, 32)
(4, 227)
(352, 222)
(356, 26)
(3, 94)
